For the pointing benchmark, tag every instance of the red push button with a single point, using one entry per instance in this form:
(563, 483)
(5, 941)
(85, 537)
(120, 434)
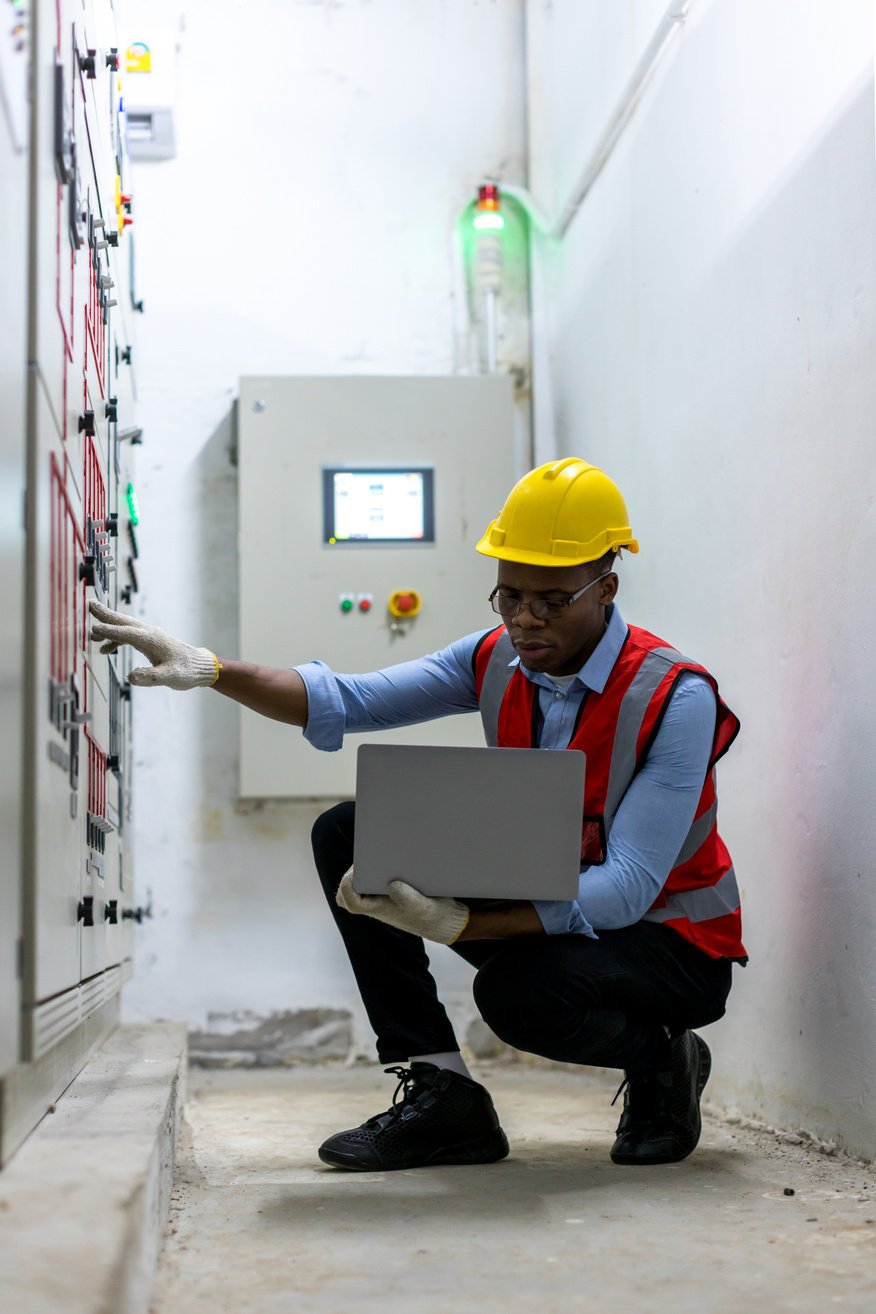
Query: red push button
(405, 604)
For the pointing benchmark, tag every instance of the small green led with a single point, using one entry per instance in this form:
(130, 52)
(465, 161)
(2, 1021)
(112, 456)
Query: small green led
(346, 604)
(133, 505)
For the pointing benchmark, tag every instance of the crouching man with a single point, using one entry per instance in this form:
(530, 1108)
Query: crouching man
(617, 978)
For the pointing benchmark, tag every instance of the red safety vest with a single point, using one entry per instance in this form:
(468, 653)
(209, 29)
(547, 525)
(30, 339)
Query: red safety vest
(615, 730)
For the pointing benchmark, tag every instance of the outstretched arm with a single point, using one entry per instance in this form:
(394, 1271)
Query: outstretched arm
(268, 690)
(273, 692)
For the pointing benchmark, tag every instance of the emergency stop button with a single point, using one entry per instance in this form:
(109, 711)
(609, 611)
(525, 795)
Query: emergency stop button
(405, 603)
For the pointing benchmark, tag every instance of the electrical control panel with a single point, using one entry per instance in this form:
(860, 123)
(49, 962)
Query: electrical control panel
(14, 136)
(361, 500)
(81, 525)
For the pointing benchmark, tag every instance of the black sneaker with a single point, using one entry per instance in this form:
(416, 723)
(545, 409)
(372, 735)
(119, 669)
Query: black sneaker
(661, 1118)
(441, 1118)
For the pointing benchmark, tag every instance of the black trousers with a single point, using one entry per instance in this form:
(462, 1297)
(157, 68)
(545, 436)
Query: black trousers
(603, 1002)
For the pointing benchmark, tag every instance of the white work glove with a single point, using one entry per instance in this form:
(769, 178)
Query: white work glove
(441, 920)
(174, 664)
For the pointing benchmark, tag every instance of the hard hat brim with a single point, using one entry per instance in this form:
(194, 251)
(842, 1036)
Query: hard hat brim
(564, 553)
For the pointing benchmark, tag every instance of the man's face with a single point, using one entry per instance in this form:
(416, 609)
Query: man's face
(558, 645)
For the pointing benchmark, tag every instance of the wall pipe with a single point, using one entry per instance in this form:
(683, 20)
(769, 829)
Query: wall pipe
(541, 419)
(674, 16)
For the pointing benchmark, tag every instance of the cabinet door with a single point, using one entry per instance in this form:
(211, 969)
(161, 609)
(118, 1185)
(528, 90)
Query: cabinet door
(56, 756)
(13, 358)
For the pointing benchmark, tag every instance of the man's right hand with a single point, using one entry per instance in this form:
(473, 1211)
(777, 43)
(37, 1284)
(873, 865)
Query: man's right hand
(175, 665)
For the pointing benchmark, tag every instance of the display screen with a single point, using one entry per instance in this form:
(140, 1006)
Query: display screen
(378, 506)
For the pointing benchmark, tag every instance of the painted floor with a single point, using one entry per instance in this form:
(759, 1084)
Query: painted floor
(259, 1225)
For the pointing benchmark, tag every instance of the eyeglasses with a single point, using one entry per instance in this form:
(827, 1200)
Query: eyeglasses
(507, 604)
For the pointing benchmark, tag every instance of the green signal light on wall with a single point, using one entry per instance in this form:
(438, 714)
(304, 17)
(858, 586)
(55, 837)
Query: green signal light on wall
(133, 505)
(486, 220)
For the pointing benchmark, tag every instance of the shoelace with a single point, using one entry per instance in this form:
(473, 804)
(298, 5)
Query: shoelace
(406, 1079)
(657, 1095)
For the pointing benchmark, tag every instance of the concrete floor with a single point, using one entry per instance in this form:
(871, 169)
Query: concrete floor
(258, 1224)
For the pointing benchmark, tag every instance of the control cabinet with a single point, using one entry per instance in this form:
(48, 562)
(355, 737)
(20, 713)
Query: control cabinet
(14, 136)
(76, 334)
(361, 500)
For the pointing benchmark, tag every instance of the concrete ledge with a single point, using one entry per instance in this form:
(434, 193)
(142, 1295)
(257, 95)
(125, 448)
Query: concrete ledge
(84, 1201)
(29, 1088)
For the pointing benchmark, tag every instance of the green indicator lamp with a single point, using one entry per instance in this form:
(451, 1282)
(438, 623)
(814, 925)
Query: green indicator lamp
(133, 505)
(346, 604)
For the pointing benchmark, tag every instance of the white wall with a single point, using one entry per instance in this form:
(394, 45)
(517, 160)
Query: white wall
(712, 320)
(711, 329)
(305, 228)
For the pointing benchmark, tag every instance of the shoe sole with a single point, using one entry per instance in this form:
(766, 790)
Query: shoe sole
(703, 1073)
(490, 1149)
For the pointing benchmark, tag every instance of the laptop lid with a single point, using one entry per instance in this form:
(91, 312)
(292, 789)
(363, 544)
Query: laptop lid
(486, 823)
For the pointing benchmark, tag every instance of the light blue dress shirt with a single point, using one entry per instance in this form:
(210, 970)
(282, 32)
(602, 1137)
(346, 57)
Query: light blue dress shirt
(656, 812)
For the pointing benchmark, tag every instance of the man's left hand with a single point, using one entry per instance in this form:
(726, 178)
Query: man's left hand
(441, 920)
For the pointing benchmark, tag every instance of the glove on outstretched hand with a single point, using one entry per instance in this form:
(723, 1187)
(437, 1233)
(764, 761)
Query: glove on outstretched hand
(441, 920)
(174, 664)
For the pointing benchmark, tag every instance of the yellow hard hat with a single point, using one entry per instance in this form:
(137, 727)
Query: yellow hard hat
(563, 513)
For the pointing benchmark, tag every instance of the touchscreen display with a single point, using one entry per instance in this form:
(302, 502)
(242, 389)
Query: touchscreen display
(378, 506)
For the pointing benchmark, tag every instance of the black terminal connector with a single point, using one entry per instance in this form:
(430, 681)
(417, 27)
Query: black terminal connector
(112, 59)
(112, 409)
(86, 424)
(111, 912)
(88, 64)
(137, 914)
(85, 913)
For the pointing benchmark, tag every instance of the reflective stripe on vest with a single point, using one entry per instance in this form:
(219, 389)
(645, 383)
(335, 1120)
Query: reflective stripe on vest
(498, 677)
(636, 702)
(700, 905)
(699, 832)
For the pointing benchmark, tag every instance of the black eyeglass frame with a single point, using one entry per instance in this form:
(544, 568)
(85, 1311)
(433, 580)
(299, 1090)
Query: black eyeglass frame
(551, 607)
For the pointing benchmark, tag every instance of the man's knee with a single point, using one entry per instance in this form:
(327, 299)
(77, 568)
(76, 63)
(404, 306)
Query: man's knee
(510, 1000)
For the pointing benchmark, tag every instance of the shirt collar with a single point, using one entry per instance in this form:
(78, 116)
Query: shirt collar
(599, 665)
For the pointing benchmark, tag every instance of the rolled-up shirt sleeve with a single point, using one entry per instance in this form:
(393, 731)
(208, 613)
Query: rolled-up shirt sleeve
(559, 918)
(440, 684)
(326, 717)
(651, 824)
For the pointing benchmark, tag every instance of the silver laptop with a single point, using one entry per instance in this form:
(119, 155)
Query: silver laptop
(486, 823)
